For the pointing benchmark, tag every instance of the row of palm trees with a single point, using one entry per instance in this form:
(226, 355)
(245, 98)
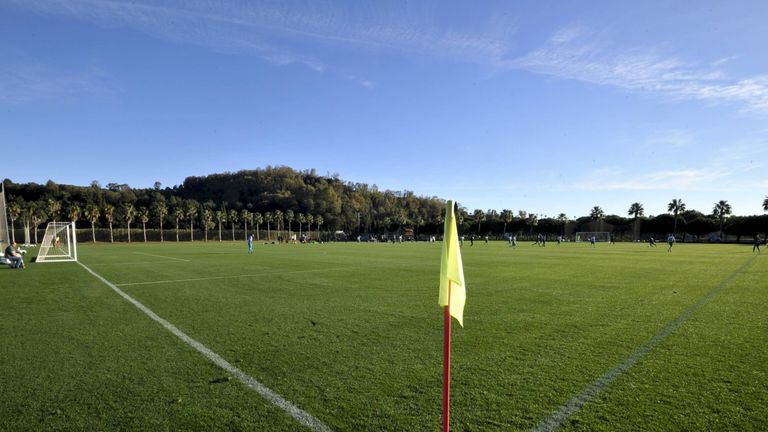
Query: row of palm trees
(37, 212)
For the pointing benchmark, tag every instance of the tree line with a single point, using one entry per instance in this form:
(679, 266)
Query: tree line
(285, 202)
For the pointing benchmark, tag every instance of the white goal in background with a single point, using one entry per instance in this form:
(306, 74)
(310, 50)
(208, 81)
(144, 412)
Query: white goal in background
(584, 236)
(59, 243)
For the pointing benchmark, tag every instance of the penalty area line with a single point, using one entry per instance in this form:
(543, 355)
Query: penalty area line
(297, 413)
(162, 256)
(555, 420)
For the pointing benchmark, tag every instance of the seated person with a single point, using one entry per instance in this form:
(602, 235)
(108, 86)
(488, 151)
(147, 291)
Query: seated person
(11, 252)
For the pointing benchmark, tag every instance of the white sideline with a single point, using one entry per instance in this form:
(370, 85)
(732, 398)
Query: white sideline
(161, 256)
(555, 420)
(226, 277)
(297, 413)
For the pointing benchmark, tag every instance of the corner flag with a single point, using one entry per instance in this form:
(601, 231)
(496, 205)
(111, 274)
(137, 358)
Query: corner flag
(452, 288)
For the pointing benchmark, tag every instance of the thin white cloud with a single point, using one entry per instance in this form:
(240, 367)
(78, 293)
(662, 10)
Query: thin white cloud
(32, 82)
(615, 179)
(277, 31)
(569, 55)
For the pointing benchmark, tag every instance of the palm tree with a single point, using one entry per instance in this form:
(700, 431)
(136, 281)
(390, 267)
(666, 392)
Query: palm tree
(14, 211)
(636, 210)
(479, 216)
(143, 215)
(675, 206)
(130, 213)
(245, 216)
(92, 213)
(278, 218)
(38, 215)
(309, 218)
(597, 214)
(507, 216)
(221, 218)
(721, 210)
(160, 209)
(765, 204)
(302, 219)
(207, 215)
(258, 219)
(289, 216)
(109, 213)
(191, 214)
(563, 219)
(53, 208)
(178, 214)
(532, 220)
(232, 220)
(318, 221)
(268, 219)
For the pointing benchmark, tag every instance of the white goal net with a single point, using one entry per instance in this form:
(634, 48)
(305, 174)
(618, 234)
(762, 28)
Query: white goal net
(59, 243)
(5, 238)
(585, 236)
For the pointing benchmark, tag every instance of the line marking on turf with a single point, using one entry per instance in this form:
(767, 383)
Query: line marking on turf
(226, 277)
(161, 256)
(297, 413)
(555, 420)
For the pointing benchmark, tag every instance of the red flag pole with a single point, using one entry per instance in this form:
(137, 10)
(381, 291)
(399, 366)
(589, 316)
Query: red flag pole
(447, 365)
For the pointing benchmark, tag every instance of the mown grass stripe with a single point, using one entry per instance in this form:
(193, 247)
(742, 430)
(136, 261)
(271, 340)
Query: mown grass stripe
(297, 413)
(227, 277)
(555, 420)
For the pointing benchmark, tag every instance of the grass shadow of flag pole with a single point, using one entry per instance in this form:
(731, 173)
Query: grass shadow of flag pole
(452, 298)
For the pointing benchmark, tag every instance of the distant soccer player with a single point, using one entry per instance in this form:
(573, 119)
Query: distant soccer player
(472, 240)
(592, 241)
(513, 241)
(486, 239)
(671, 241)
(756, 244)
(250, 244)
(651, 242)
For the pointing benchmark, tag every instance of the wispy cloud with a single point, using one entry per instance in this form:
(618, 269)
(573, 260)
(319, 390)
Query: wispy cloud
(572, 54)
(32, 82)
(614, 179)
(278, 32)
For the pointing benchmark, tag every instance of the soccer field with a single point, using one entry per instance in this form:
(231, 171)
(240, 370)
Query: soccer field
(619, 337)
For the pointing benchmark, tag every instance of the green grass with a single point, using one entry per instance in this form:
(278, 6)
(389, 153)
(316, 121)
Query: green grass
(352, 334)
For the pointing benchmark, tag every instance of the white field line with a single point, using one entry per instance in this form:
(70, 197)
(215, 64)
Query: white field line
(130, 263)
(161, 256)
(297, 413)
(555, 420)
(227, 277)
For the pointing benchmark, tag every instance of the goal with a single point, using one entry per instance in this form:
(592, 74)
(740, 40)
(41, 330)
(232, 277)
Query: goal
(5, 239)
(584, 236)
(59, 243)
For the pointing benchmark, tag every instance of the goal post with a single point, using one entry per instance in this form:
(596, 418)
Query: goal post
(600, 236)
(59, 243)
(5, 238)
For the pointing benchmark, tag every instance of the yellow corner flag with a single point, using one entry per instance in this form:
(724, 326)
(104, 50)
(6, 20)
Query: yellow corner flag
(452, 289)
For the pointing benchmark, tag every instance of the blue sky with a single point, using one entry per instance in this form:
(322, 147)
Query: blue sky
(540, 106)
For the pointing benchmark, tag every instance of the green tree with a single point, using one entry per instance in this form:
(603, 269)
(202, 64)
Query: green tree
(278, 218)
(14, 211)
(636, 210)
(245, 216)
(178, 215)
(507, 216)
(721, 211)
(302, 219)
(563, 219)
(675, 207)
(318, 221)
(109, 213)
(268, 219)
(143, 215)
(74, 213)
(289, 216)
(53, 207)
(232, 220)
(221, 219)
(479, 217)
(207, 216)
(258, 219)
(38, 216)
(309, 219)
(765, 204)
(191, 211)
(160, 209)
(597, 214)
(129, 212)
(92, 213)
